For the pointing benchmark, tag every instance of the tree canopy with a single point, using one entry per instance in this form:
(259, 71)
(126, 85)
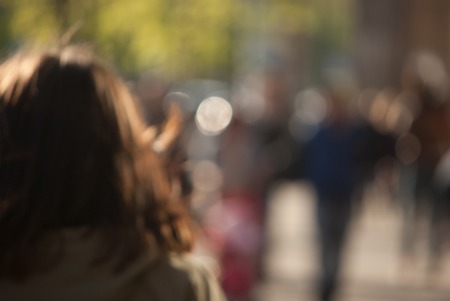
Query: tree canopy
(185, 38)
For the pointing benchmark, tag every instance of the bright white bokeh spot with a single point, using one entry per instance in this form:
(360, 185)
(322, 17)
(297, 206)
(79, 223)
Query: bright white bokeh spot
(213, 115)
(311, 107)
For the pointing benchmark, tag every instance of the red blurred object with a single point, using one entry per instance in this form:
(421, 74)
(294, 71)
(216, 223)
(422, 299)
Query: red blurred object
(236, 222)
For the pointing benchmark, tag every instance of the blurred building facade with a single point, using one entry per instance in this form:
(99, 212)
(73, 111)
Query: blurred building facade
(387, 31)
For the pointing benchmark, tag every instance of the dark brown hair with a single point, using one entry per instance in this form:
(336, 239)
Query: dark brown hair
(74, 153)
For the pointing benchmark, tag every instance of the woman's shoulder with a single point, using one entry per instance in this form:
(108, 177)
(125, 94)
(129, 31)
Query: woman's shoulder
(183, 277)
(154, 275)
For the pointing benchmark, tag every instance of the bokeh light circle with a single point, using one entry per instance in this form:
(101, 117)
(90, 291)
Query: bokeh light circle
(213, 115)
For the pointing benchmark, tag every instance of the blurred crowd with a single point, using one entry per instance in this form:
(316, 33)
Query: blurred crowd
(240, 139)
(283, 99)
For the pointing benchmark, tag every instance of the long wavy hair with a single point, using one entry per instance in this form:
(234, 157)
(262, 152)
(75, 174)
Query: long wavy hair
(75, 153)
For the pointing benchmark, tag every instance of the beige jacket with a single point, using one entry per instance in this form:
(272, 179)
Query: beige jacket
(151, 278)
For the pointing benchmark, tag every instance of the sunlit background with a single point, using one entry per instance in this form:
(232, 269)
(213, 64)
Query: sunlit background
(255, 81)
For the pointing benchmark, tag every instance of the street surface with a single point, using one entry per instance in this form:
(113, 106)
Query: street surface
(373, 268)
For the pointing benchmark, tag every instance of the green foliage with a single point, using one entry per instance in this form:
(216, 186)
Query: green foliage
(183, 38)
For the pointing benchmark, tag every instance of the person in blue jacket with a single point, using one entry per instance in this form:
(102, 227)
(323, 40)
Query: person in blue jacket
(330, 165)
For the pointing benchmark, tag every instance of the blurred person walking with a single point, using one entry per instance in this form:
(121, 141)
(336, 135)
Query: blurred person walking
(239, 216)
(331, 167)
(86, 209)
(426, 81)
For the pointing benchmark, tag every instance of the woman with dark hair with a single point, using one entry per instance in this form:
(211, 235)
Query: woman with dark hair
(86, 208)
